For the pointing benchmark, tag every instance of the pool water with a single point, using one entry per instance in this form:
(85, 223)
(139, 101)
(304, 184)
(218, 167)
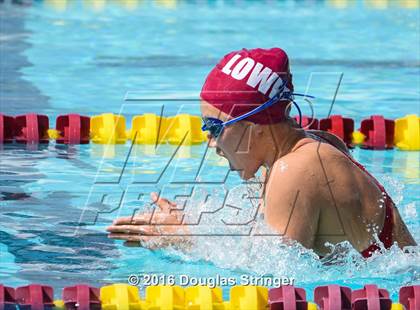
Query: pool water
(57, 200)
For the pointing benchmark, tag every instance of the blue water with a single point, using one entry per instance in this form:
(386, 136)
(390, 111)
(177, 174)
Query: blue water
(77, 59)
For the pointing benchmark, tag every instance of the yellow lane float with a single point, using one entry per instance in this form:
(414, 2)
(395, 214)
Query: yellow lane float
(165, 297)
(148, 129)
(108, 128)
(185, 129)
(397, 306)
(357, 137)
(248, 297)
(203, 298)
(121, 297)
(407, 133)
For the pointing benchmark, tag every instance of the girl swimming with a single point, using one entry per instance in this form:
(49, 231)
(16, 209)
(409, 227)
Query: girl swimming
(315, 192)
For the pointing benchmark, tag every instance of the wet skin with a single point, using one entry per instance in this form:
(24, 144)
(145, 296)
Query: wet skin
(313, 193)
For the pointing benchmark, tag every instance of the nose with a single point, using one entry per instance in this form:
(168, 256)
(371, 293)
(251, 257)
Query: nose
(213, 144)
(212, 140)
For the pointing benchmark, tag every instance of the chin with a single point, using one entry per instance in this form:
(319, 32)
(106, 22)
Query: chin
(246, 175)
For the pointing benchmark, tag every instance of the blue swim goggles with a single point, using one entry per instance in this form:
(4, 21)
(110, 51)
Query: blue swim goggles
(215, 126)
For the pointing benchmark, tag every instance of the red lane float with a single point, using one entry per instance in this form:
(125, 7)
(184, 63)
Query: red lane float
(81, 297)
(73, 129)
(379, 133)
(370, 297)
(35, 297)
(308, 122)
(287, 298)
(410, 297)
(333, 297)
(375, 132)
(7, 128)
(7, 298)
(330, 297)
(31, 128)
(340, 126)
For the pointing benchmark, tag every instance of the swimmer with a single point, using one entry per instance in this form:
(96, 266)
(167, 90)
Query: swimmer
(315, 193)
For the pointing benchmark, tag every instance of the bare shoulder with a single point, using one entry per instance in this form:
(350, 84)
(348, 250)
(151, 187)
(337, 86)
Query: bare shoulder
(331, 138)
(302, 170)
(290, 174)
(324, 159)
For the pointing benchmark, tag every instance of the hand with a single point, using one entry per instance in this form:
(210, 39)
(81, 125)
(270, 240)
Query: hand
(161, 228)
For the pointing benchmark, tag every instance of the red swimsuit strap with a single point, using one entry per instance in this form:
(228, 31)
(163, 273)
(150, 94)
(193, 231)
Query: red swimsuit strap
(385, 236)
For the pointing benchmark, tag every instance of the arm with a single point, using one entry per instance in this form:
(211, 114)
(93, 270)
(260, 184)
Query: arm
(263, 181)
(291, 206)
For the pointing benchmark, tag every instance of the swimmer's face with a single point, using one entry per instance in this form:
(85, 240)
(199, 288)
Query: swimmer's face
(238, 143)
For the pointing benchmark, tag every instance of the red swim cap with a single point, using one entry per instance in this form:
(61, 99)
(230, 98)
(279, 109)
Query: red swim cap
(245, 79)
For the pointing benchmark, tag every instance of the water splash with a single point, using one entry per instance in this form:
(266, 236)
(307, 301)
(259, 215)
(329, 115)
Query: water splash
(271, 254)
(394, 188)
(410, 210)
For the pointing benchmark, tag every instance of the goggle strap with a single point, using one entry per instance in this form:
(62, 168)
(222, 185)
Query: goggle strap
(252, 112)
(264, 106)
(269, 103)
(299, 111)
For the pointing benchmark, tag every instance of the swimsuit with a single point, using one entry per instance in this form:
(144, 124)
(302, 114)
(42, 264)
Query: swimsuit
(385, 236)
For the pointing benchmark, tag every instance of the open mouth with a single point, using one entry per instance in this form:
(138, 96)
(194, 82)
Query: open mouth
(232, 168)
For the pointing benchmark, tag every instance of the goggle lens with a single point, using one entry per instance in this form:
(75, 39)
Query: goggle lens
(212, 125)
